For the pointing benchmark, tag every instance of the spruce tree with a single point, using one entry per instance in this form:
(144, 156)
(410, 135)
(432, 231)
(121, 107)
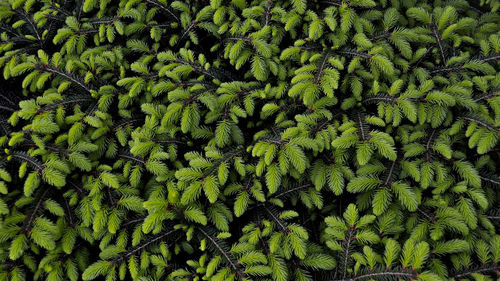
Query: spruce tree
(266, 140)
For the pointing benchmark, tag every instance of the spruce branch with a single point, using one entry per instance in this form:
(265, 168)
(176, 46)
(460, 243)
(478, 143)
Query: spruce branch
(34, 212)
(147, 242)
(376, 275)
(162, 8)
(491, 268)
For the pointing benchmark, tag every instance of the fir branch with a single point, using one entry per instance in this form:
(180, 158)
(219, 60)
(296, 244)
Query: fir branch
(384, 35)
(362, 127)
(386, 274)
(8, 100)
(27, 225)
(67, 101)
(493, 181)
(464, 274)
(141, 247)
(162, 8)
(317, 77)
(438, 41)
(381, 98)
(103, 20)
(290, 191)
(389, 174)
(31, 22)
(127, 122)
(275, 218)
(79, 189)
(32, 161)
(430, 218)
(487, 96)
(490, 58)
(354, 53)
(71, 77)
(245, 39)
(9, 29)
(134, 221)
(428, 145)
(187, 30)
(6, 108)
(482, 123)
(346, 251)
(62, 11)
(196, 68)
(68, 211)
(227, 255)
(447, 69)
(135, 159)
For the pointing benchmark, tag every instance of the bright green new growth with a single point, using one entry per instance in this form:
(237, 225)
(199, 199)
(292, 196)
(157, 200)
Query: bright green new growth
(265, 140)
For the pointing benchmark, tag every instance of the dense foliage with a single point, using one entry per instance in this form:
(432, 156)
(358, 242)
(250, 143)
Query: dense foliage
(249, 140)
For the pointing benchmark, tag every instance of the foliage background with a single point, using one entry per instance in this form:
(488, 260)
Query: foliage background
(249, 140)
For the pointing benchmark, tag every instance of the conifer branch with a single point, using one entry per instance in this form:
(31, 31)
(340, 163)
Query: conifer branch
(466, 273)
(28, 19)
(317, 77)
(494, 57)
(447, 69)
(7, 108)
(67, 101)
(354, 54)
(31, 217)
(428, 145)
(71, 77)
(227, 255)
(24, 157)
(361, 127)
(289, 191)
(491, 180)
(162, 8)
(282, 224)
(389, 174)
(487, 96)
(438, 41)
(482, 123)
(346, 251)
(381, 98)
(141, 247)
(247, 126)
(375, 275)
(135, 159)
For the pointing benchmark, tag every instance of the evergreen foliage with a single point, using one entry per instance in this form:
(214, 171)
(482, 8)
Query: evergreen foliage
(260, 140)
